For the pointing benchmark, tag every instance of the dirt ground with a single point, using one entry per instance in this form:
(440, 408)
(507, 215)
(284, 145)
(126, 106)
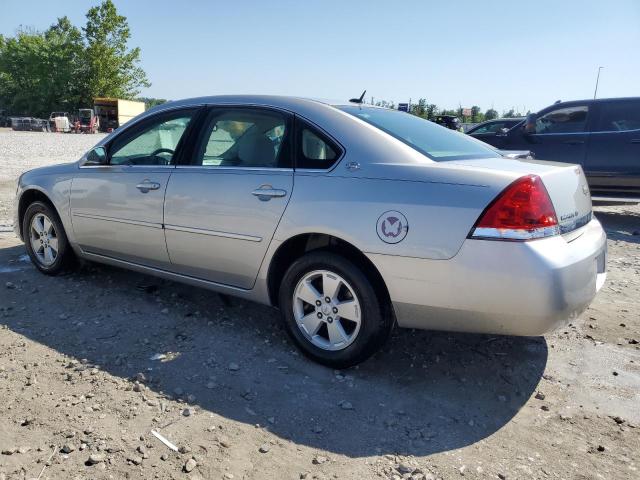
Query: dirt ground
(92, 362)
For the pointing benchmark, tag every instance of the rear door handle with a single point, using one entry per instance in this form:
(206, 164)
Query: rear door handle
(574, 142)
(267, 192)
(147, 185)
(635, 140)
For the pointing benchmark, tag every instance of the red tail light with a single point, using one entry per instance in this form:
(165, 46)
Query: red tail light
(522, 211)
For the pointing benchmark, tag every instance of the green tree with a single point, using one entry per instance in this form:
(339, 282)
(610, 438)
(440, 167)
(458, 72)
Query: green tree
(491, 114)
(476, 114)
(419, 109)
(23, 73)
(432, 111)
(111, 69)
(511, 114)
(63, 68)
(151, 102)
(62, 63)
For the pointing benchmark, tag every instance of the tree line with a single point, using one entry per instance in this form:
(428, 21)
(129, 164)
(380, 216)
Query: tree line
(430, 111)
(65, 67)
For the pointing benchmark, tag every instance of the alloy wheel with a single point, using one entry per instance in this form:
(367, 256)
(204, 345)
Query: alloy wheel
(327, 310)
(44, 239)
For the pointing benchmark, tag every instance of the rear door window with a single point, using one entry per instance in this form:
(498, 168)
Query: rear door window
(619, 116)
(245, 137)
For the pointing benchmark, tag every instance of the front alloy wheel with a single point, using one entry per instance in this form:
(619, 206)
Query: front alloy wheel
(44, 239)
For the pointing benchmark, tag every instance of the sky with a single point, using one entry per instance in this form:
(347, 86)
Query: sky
(500, 54)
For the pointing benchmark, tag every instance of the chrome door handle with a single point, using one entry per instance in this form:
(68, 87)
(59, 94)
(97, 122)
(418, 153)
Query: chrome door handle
(145, 186)
(267, 192)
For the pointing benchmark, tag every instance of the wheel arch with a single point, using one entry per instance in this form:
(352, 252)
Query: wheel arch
(29, 196)
(298, 245)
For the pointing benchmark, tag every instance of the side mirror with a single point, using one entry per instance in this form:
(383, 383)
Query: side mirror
(97, 156)
(530, 123)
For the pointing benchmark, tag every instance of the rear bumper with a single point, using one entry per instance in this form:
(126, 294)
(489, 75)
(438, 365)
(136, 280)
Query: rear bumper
(512, 288)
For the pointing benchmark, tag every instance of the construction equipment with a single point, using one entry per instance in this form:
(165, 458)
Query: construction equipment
(88, 121)
(59, 122)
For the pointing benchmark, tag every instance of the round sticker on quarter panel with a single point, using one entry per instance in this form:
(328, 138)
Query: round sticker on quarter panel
(392, 227)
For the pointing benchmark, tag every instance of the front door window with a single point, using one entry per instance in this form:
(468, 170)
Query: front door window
(154, 144)
(563, 120)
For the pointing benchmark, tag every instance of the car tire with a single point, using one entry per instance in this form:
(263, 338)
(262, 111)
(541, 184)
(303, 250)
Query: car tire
(46, 240)
(358, 337)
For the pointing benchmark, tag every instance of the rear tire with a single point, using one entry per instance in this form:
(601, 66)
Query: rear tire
(332, 311)
(46, 240)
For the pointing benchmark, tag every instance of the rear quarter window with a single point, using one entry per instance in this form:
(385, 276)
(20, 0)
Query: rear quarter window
(315, 150)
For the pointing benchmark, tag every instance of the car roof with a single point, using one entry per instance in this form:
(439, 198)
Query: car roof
(267, 100)
(505, 119)
(591, 100)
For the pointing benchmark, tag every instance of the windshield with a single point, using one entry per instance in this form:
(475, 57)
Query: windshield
(436, 142)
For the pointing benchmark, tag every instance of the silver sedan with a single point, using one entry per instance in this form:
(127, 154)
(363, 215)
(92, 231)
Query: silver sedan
(350, 219)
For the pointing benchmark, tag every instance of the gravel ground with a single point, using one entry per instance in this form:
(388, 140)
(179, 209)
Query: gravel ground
(93, 361)
(22, 151)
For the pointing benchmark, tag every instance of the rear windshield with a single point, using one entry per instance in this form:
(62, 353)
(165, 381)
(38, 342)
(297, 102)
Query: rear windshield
(436, 142)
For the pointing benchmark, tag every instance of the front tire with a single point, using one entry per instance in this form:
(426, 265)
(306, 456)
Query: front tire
(46, 240)
(332, 311)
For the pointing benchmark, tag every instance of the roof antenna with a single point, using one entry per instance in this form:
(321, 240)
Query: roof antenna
(358, 100)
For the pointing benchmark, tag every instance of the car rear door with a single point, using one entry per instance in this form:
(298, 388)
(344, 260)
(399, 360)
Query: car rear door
(561, 134)
(224, 203)
(117, 209)
(613, 157)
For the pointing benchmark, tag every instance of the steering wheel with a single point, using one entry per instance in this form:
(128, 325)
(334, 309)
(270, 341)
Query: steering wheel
(161, 150)
(161, 161)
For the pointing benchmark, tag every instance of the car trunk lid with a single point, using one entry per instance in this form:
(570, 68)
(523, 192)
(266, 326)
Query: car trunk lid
(566, 184)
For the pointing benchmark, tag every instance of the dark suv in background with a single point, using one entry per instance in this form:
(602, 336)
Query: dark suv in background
(602, 135)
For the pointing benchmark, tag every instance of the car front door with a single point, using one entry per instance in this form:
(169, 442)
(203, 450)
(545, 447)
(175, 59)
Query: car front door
(222, 207)
(560, 134)
(613, 158)
(117, 208)
(487, 132)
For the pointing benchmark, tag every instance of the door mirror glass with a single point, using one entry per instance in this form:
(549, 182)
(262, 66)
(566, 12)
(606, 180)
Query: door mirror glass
(96, 156)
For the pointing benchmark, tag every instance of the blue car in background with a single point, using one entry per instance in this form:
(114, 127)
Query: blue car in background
(602, 135)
